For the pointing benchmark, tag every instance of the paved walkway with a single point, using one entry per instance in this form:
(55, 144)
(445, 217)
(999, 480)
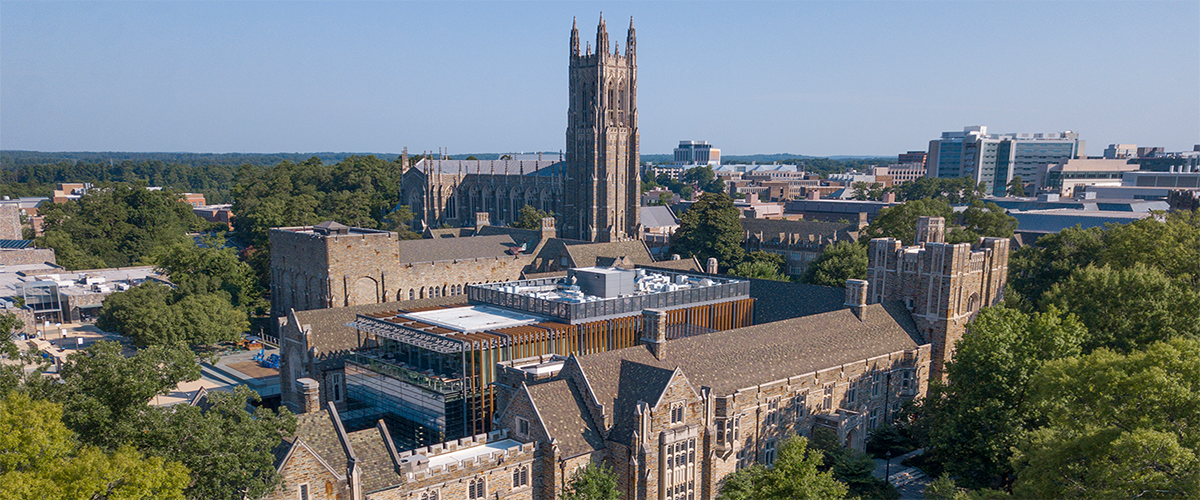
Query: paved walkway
(909, 480)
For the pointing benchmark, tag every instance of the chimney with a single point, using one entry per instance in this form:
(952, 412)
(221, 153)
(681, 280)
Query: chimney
(812, 194)
(889, 197)
(711, 268)
(481, 219)
(654, 332)
(548, 230)
(931, 230)
(856, 297)
(310, 392)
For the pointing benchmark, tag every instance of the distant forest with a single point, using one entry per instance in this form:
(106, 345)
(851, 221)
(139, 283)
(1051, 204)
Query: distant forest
(34, 173)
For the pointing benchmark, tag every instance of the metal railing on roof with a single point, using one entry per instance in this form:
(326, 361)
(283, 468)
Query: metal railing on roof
(580, 312)
(433, 383)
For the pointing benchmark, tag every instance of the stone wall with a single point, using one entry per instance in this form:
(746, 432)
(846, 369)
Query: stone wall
(27, 256)
(10, 223)
(304, 469)
(943, 285)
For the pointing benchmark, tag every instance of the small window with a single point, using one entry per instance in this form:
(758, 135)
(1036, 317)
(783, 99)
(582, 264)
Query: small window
(477, 489)
(677, 414)
(521, 477)
(769, 452)
(430, 495)
(522, 427)
(335, 387)
(304, 491)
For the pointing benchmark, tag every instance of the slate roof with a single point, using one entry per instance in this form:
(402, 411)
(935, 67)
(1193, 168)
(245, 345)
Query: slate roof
(329, 330)
(585, 254)
(689, 264)
(443, 249)
(499, 167)
(566, 418)
(658, 216)
(316, 429)
(780, 300)
(635, 382)
(374, 459)
(745, 357)
(770, 228)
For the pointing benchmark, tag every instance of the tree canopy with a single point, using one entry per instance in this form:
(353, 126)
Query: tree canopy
(762, 265)
(154, 314)
(105, 396)
(974, 420)
(837, 263)
(979, 219)
(596, 481)
(1119, 426)
(530, 218)
(794, 474)
(39, 459)
(116, 226)
(710, 228)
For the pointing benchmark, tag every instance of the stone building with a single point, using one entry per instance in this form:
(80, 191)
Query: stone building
(452, 192)
(798, 241)
(333, 265)
(602, 181)
(672, 417)
(941, 284)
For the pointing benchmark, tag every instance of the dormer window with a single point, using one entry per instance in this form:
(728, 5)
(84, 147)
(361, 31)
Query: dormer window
(522, 427)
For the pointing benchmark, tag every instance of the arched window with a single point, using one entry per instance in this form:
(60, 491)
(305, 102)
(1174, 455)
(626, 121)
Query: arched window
(430, 495)
(477, 489)
(411, 294)
(520, 476)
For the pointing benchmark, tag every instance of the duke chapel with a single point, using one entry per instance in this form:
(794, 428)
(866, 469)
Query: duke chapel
(594, 191)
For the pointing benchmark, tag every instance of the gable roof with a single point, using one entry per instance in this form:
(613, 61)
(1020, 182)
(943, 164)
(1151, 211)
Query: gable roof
(565, 417)
(780, 300)
(658, 216)
(636, 382)
(745, 357)
(443, 249)
(374, 459)
(330, 333)
(316, 429)
(587, 254)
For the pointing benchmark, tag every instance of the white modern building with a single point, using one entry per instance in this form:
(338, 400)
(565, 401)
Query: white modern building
(697, 153)
(994, 159)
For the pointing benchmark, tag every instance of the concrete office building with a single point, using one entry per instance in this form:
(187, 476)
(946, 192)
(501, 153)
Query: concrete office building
(994, 159)
(1118, 151)
(697, 153)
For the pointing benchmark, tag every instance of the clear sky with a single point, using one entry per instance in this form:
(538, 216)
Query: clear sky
(814, 78)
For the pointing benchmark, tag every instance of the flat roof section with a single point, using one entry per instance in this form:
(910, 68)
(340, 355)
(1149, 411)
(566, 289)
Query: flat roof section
(461, 454)
(473, 318)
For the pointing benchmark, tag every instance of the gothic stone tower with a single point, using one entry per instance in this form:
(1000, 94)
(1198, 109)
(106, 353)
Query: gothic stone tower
(943, 285)
(601, 175)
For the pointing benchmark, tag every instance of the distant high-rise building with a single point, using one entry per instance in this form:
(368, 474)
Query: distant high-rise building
(697, 153)
(912, 157)
(1150, 151)
(1119, 151)
(994, 159)
(602, 183)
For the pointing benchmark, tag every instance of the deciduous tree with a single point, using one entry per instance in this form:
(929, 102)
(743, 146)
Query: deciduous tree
(794, 474)
(596, 481)
(837, 263)
(710, 228)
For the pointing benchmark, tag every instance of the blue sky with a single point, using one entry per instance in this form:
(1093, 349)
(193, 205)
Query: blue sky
(815, 78)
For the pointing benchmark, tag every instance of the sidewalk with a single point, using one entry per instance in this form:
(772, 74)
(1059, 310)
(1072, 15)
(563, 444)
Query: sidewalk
(909, 480)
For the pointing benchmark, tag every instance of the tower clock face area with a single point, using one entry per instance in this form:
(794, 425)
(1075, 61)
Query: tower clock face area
(602, 139)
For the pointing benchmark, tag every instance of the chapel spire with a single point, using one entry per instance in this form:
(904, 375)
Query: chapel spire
(631, 40)
(574, 38)
(602, 36)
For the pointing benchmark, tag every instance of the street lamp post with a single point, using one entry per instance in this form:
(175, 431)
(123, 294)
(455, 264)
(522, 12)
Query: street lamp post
(887, 475)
